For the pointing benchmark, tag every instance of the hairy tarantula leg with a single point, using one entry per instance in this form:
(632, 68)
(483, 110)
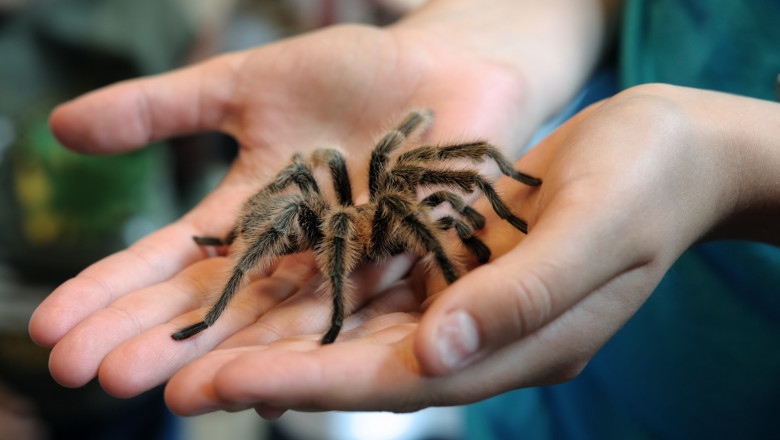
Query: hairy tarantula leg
(208, 241)
(216, 310)
(275, 241)
(474, 151)
(272, 239)
(466, 235)
(337, 255)
(423, 235)
(499, 206)
(389, 208)
(408, 176)
(297, 172)
(413, 123)
(338, 173)
(380, 240)
(475, 219)
(216, 241)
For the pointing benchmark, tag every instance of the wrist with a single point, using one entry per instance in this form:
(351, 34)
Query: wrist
(737, 158)
(745, 130)
(553, 45)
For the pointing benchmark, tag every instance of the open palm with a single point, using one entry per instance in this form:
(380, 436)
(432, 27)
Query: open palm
(342, 86)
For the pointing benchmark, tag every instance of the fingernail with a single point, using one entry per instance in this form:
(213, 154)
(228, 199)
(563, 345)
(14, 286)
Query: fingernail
(458, 339)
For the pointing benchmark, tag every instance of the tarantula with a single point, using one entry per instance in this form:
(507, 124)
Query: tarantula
(280, 220)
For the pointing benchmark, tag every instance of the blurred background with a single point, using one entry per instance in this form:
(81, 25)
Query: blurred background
(60, 211)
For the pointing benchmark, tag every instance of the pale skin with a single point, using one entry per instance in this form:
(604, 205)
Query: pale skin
(629, 184)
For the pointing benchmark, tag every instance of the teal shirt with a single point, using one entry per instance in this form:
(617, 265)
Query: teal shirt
(727, 45)
(701, 358)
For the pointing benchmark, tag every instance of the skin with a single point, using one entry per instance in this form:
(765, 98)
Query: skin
(704, 164)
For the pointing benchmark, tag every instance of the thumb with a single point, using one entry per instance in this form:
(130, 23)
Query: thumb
(555, 267)
(131, 114)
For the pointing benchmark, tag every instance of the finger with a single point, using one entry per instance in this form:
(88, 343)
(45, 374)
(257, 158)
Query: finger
(133, 113)
(76, 358)
(150, 358)
(151, 260)
(563, 259)
(399, 303)
(298, 374)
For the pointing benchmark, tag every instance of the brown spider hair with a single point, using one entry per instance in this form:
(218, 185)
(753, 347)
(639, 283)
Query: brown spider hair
(291, 214)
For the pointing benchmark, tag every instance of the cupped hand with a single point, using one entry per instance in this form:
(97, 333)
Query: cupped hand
(343, 86)
(629, 184)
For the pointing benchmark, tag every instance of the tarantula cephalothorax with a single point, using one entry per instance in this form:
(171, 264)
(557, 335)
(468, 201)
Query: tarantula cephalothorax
(280, 220)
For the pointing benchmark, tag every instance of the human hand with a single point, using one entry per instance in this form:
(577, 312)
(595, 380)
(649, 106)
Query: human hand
(564, 294)
(628, 185)
(339, 85)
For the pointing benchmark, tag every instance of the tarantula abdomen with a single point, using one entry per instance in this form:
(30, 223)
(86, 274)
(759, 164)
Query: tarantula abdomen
(291, 215)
